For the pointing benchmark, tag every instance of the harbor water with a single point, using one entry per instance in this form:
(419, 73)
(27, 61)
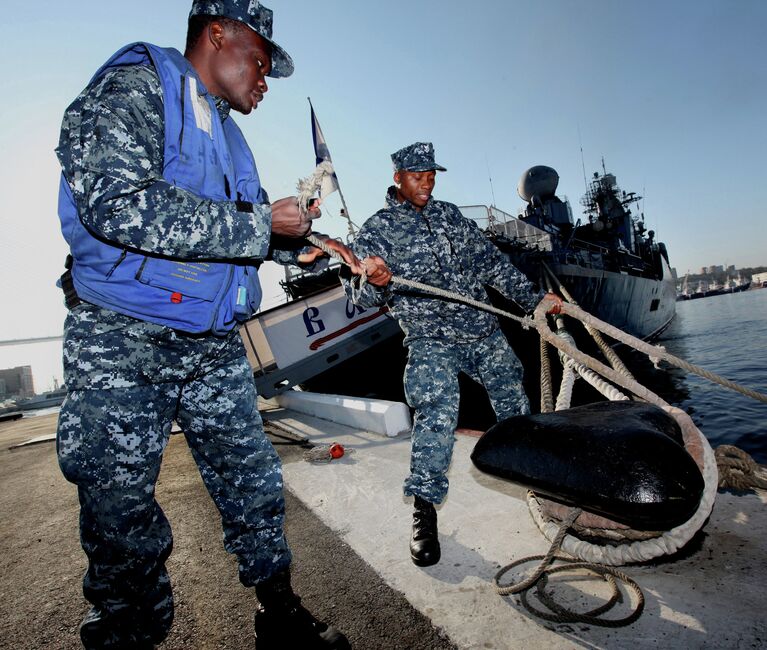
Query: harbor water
(727, 335)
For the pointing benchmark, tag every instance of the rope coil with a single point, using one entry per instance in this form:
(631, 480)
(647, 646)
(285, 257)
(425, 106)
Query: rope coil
(738, 471)
(557, 613)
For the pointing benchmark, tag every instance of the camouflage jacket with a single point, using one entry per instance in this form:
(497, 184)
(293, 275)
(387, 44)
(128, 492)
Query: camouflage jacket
(440, 247)
(111, 151)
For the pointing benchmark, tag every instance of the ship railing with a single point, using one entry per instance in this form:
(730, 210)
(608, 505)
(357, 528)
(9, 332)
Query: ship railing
(498, 222)
(589, 246)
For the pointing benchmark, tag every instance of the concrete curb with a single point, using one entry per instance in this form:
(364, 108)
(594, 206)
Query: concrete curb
(374, 415)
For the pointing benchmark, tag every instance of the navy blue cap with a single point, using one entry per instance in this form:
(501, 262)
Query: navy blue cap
(255, 16)
(417, 157)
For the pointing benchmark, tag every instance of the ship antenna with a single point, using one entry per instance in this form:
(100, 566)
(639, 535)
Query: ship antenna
(583, 163)
(490, 177)
(644, 205)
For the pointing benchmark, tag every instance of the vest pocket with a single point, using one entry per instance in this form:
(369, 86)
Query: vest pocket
(195, 279)
(248, 297)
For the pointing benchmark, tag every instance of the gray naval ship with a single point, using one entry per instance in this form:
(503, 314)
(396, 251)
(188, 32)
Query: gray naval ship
(607, 261)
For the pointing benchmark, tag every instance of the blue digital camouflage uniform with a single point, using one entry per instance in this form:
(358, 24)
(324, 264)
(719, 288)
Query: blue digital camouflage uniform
(128, 379)
(440, 247)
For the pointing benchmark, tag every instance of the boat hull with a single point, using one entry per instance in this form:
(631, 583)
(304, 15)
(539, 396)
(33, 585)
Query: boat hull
(641, 306)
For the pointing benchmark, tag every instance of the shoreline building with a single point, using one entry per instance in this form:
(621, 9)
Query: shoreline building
(17, 382)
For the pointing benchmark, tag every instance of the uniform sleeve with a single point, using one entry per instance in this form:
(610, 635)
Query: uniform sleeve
(285, 251)
(495, 269)
(111, 150)
(368, 242)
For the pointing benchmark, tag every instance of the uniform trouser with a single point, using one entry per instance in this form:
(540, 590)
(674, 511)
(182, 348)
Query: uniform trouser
(431, 388)
(127, 384)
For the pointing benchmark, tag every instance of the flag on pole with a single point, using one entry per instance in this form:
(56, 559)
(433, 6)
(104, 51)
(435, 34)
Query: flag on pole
(329, 181)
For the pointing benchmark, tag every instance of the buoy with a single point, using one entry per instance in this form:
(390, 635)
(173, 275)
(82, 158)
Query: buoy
(336, 450)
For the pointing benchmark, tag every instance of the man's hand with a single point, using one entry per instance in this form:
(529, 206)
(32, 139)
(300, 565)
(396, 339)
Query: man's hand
(288, 221)
(556, 308)
(336, 246)
(378, 273)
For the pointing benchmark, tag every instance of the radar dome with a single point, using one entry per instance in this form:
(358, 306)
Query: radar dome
(540, 181)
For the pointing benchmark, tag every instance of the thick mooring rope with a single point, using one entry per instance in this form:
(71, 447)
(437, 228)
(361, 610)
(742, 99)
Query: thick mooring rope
(738, 471)
(654, 352)
(547, 397)
(539, 322)
(610, 355)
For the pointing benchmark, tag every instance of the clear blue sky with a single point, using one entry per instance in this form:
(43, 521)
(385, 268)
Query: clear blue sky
(672, 93)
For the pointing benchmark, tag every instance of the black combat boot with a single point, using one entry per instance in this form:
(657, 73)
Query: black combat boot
(101, 630)
(281, 621)
(424, 544)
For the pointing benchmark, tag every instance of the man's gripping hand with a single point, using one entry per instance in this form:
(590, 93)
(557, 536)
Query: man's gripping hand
(556, 303)
(378, 273)
(289, 221)
(337, 247)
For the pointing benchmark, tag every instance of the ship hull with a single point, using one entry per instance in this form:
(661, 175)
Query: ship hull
(643, 307)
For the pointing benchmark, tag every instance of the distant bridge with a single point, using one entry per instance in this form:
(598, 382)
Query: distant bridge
(41, 339)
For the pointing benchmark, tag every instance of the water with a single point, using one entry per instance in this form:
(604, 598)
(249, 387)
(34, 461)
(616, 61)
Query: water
(727, 335)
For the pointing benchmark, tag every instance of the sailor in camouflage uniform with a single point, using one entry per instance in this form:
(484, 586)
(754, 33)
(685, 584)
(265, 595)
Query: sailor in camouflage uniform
(141, 351)
(431, 242)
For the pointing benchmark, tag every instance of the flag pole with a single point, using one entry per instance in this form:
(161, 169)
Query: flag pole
(338, 182)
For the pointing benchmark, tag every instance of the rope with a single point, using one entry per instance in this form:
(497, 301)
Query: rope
(738, 471)
(605, 388)
(655, 353)
(566, 386)
(610, 354)
(557, 613)
(547, 398)
(571, 366)
(526, 322)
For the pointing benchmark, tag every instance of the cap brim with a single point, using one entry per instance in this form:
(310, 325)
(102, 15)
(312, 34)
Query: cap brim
(282, 64)
(425, 168)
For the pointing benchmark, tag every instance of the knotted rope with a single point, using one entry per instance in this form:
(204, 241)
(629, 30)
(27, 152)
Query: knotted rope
(737, 470)
(557, 613)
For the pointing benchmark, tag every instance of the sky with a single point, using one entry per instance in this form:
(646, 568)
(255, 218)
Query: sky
(672, 94)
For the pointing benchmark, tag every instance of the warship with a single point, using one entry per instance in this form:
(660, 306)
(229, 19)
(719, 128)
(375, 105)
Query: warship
(608, 261)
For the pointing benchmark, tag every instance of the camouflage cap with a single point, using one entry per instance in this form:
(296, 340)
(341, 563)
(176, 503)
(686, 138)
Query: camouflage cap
(417, 157)
(255, 16)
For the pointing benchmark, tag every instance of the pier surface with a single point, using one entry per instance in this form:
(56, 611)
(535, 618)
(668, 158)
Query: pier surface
(348, 526)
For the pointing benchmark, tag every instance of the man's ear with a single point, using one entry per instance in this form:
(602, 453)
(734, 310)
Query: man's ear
(397, 178)
(216, 34)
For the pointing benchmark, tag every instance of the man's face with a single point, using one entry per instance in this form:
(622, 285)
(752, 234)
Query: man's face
(243, 61)
(415, 187)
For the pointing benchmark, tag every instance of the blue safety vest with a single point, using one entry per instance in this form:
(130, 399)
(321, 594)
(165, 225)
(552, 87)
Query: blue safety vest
(203, 155)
